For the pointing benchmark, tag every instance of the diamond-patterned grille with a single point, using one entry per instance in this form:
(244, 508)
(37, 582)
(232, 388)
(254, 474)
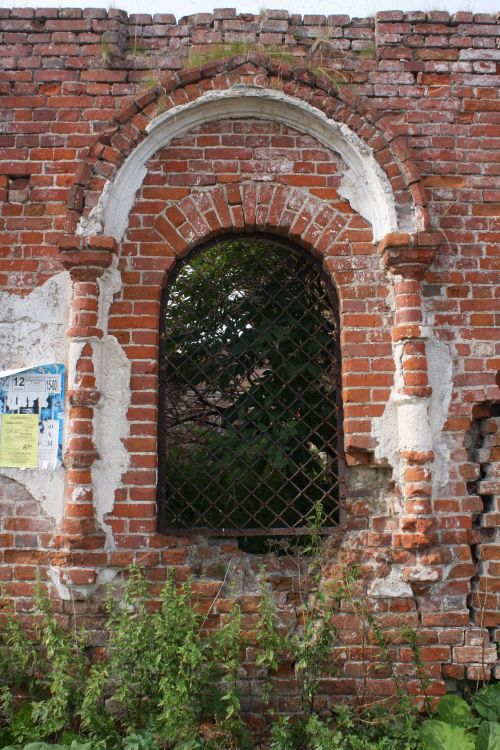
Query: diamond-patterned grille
(249, 383)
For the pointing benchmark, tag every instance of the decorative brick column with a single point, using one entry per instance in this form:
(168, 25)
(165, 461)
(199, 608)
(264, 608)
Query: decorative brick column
(85, 258)
(407, 257)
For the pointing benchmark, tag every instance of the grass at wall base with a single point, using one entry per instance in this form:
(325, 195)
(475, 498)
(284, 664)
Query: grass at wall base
(166, 683)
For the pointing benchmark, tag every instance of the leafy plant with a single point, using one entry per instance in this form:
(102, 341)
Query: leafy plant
(487, 702)
(488, 736)
(459, 724)
(161, 679)
(163, 675)
(75, 745)
(50, 668)
(346, 728)
(437, 735)
(455, 711)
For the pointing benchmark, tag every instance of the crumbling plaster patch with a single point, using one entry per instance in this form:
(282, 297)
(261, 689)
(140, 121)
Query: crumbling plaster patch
(384, 430)
(440, 373)
(364, 182)
(391, 586)
(416, 423)
(410, 423)
(33, 332)
(112, 372)
(94, 222)
(33, 327)
(74, 353)
(68, 593)
(110, 427)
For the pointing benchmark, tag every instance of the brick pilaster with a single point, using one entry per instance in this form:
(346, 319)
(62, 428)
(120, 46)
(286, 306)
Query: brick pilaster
(85, 259)
(407, 258)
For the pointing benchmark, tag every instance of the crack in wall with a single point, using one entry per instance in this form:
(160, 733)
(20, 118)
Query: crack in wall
(480, 444)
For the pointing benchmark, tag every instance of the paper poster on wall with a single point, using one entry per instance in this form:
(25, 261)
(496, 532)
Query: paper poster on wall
(31, 423)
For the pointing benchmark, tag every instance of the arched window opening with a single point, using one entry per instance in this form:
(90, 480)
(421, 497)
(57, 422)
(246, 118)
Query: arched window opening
(249, 413)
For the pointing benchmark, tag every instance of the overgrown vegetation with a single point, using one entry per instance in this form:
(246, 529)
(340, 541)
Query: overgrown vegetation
(217, 52)
(165, 682)
(468, 726)
(368, 723)
(160, 677)
(317, 58)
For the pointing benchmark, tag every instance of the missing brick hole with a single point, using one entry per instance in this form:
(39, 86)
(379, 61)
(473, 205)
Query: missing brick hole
(18, 188)
(474, 439)
(488, 503)
(475, 554)
(472, 488)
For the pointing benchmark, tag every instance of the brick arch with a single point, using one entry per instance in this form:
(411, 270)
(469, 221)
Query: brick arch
(131, 124)
(287, 212)
(340, 241)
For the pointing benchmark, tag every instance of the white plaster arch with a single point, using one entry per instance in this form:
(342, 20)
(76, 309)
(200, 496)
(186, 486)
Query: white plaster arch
(364, 183)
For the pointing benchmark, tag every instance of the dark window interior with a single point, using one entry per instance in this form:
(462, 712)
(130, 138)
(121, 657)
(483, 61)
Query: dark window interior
(250, 413)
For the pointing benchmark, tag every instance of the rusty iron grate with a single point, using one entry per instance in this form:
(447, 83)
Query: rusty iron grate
(249, 439)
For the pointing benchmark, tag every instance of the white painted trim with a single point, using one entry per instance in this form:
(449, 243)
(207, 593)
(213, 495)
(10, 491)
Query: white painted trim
(364, 183)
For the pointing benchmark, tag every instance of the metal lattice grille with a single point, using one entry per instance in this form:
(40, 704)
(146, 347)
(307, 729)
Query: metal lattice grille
(249, 393)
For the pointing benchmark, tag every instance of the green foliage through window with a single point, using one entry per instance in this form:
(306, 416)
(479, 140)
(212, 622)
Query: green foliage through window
(249, 391)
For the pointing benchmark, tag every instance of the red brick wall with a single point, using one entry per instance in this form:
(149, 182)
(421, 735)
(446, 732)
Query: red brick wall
(422, 91)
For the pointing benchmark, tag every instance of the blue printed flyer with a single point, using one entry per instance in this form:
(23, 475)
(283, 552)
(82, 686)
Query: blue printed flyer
(31, 417)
